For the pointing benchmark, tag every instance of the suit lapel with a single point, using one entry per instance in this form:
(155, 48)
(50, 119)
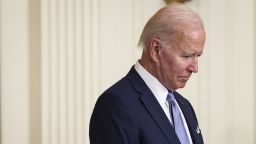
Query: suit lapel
(159, 117)
(190, 119)
(152, 106)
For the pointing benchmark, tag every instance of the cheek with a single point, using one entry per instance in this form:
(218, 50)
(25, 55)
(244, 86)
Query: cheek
(172, 65)
(178, 65)
(182, 66)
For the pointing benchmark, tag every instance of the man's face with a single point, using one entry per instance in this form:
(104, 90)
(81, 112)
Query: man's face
(179, 60)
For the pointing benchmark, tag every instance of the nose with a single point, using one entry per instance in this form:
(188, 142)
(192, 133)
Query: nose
(193, 66)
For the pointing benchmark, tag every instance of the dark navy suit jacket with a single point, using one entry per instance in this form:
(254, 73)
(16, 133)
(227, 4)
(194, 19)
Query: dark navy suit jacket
(129, 113)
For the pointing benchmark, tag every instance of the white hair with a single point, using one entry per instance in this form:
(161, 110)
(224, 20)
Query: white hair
(165, 22)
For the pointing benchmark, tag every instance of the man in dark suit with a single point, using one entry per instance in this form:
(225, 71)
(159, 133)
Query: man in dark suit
(143, 107)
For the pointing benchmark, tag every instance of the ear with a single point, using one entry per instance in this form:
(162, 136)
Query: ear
(154, 49)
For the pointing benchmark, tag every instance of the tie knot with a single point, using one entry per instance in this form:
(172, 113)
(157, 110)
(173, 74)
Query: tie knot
(170, 97)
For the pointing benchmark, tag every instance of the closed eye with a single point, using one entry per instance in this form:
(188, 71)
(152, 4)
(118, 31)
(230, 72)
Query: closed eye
(187, 56)
(191, 55)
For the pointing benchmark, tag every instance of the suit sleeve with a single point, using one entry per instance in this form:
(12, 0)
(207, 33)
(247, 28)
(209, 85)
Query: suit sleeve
(112, 123)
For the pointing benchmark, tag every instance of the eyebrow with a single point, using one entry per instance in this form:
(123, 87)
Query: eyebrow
(193, 52)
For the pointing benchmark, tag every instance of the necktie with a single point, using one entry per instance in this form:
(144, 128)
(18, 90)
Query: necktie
(176, 119)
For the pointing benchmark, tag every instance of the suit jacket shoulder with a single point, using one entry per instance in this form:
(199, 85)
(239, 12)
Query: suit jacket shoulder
(128, 113)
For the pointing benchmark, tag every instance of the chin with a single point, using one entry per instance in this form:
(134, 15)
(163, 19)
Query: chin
(182, 85)
(177, 86)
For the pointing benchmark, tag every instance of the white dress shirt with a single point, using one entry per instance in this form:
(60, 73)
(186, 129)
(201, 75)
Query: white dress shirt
(160, 92)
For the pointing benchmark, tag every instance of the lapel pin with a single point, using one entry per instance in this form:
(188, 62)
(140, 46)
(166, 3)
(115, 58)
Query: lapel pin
(197, 130)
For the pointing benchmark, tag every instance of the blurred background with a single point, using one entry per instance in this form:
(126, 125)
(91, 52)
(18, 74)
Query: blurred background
(58, 56)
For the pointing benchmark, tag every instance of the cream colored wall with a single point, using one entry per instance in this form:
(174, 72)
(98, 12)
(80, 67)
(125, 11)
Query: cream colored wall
(86, 46)
(51, 77)
(14, 72)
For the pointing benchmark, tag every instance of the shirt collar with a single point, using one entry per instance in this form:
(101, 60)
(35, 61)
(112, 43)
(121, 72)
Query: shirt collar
(159, 91)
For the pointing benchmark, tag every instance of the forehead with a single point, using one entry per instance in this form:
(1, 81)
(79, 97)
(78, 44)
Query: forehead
(191, 40)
